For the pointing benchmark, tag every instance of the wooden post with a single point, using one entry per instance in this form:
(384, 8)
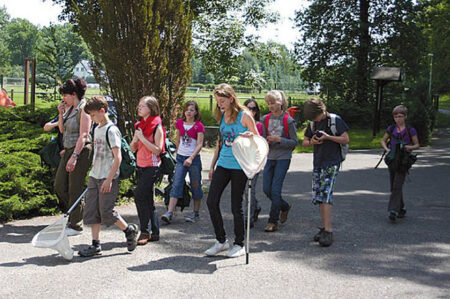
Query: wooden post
(25, 91)
(33, 83)
(210, 102)
(12, 94)
(289, 102)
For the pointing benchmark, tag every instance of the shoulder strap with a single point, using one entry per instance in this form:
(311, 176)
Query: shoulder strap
(164, 137)
(285, 124)
(266, 122)
(409, 134)
(107, 137)
(80, 110)
(67, 114)
(333, 124)
(311, 125)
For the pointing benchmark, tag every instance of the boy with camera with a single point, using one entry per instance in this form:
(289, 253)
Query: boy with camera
(327, 160)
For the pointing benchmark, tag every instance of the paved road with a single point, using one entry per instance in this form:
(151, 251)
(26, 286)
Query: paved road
(370, 258)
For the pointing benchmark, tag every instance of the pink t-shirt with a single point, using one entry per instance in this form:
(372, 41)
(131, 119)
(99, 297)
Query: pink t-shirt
(198, 127)
(145, 157)
(188, 139)
(259, 127)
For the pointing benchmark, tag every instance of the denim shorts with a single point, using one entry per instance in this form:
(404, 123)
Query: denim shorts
(323, 184)
(195, 176)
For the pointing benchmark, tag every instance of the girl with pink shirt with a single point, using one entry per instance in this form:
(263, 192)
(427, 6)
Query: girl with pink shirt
(189, 140)
(148, 140)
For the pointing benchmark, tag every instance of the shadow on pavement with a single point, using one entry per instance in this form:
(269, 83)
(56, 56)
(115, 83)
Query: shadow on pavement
(53, 260)
(180, 263)
(19, 234)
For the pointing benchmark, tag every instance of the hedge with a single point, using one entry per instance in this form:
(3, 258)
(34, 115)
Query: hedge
(26, 186)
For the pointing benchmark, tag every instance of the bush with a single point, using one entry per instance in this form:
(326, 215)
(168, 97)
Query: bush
(26, 186)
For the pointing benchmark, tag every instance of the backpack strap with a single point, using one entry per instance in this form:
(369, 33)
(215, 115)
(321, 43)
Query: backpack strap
(107, 137)
(409, 134)
(163, 150)
(266, 122)
(332, 124)
(285, 124)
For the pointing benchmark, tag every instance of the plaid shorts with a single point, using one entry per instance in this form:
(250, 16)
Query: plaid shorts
(323, 184)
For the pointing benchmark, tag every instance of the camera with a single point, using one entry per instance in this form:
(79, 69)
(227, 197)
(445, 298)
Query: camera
(318, 134)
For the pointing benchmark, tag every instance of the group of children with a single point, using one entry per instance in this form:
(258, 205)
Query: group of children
(235, 119)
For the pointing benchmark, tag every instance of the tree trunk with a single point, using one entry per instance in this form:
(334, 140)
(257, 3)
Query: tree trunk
(363, 52)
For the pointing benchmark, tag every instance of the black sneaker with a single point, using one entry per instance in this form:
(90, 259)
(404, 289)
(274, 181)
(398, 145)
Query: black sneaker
(90, 251)
(131, 235)
(317, 236)
(402, 213)
(326, 238)
(392, 216)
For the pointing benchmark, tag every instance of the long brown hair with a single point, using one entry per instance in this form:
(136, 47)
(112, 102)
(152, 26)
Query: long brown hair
(197, 117)
(227, 91)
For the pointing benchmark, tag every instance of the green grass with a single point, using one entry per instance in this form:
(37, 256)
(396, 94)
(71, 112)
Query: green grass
(442, 120)
(359, 139)
(202, 98)
(444, 101)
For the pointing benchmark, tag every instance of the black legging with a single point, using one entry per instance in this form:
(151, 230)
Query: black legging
(220, 180)
(143, 198)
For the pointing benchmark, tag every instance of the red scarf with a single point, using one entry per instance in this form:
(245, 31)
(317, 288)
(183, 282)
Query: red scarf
(148, 125)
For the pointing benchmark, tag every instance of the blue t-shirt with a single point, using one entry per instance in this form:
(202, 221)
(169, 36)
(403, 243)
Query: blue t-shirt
(328, 153)
(229, 132)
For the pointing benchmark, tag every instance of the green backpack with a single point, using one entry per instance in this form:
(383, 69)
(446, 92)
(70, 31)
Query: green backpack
(168, 161)
(50, 153)
(128, 164)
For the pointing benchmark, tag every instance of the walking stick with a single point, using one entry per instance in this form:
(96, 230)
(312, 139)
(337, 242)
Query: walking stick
(381, 159)
(248, 221)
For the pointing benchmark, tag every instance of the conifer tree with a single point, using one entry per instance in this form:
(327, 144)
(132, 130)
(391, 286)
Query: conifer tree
(140, 47)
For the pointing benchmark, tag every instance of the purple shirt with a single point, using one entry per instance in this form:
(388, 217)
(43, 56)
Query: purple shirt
(401, 136)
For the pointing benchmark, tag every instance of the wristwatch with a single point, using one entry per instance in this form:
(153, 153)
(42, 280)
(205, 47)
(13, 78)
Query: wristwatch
(75, 154)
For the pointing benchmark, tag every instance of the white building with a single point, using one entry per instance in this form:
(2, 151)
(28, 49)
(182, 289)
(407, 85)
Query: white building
(82, 69)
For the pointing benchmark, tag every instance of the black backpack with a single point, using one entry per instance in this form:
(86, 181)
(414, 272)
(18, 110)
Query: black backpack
(182, 202)
(399, 158)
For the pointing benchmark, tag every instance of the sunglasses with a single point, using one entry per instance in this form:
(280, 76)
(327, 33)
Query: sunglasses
(252, 108)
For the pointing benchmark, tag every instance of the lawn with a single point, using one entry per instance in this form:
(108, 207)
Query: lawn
(444, 101)
(359, 139)
(202, 98)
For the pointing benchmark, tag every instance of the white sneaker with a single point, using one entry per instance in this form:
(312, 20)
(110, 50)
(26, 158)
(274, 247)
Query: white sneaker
(236, 251)
(218, 247)
(73, 232)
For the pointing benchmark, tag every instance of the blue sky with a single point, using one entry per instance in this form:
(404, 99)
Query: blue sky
(42, 13)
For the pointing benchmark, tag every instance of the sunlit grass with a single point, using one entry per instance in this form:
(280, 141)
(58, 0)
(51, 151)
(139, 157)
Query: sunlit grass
(444, 101)
(359, 139)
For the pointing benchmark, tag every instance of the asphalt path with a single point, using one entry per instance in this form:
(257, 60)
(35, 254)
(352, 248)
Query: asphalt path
(371, 258)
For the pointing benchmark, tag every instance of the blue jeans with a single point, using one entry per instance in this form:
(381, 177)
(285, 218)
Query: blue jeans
(195, 175)
(143, 198)
(273, 178)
